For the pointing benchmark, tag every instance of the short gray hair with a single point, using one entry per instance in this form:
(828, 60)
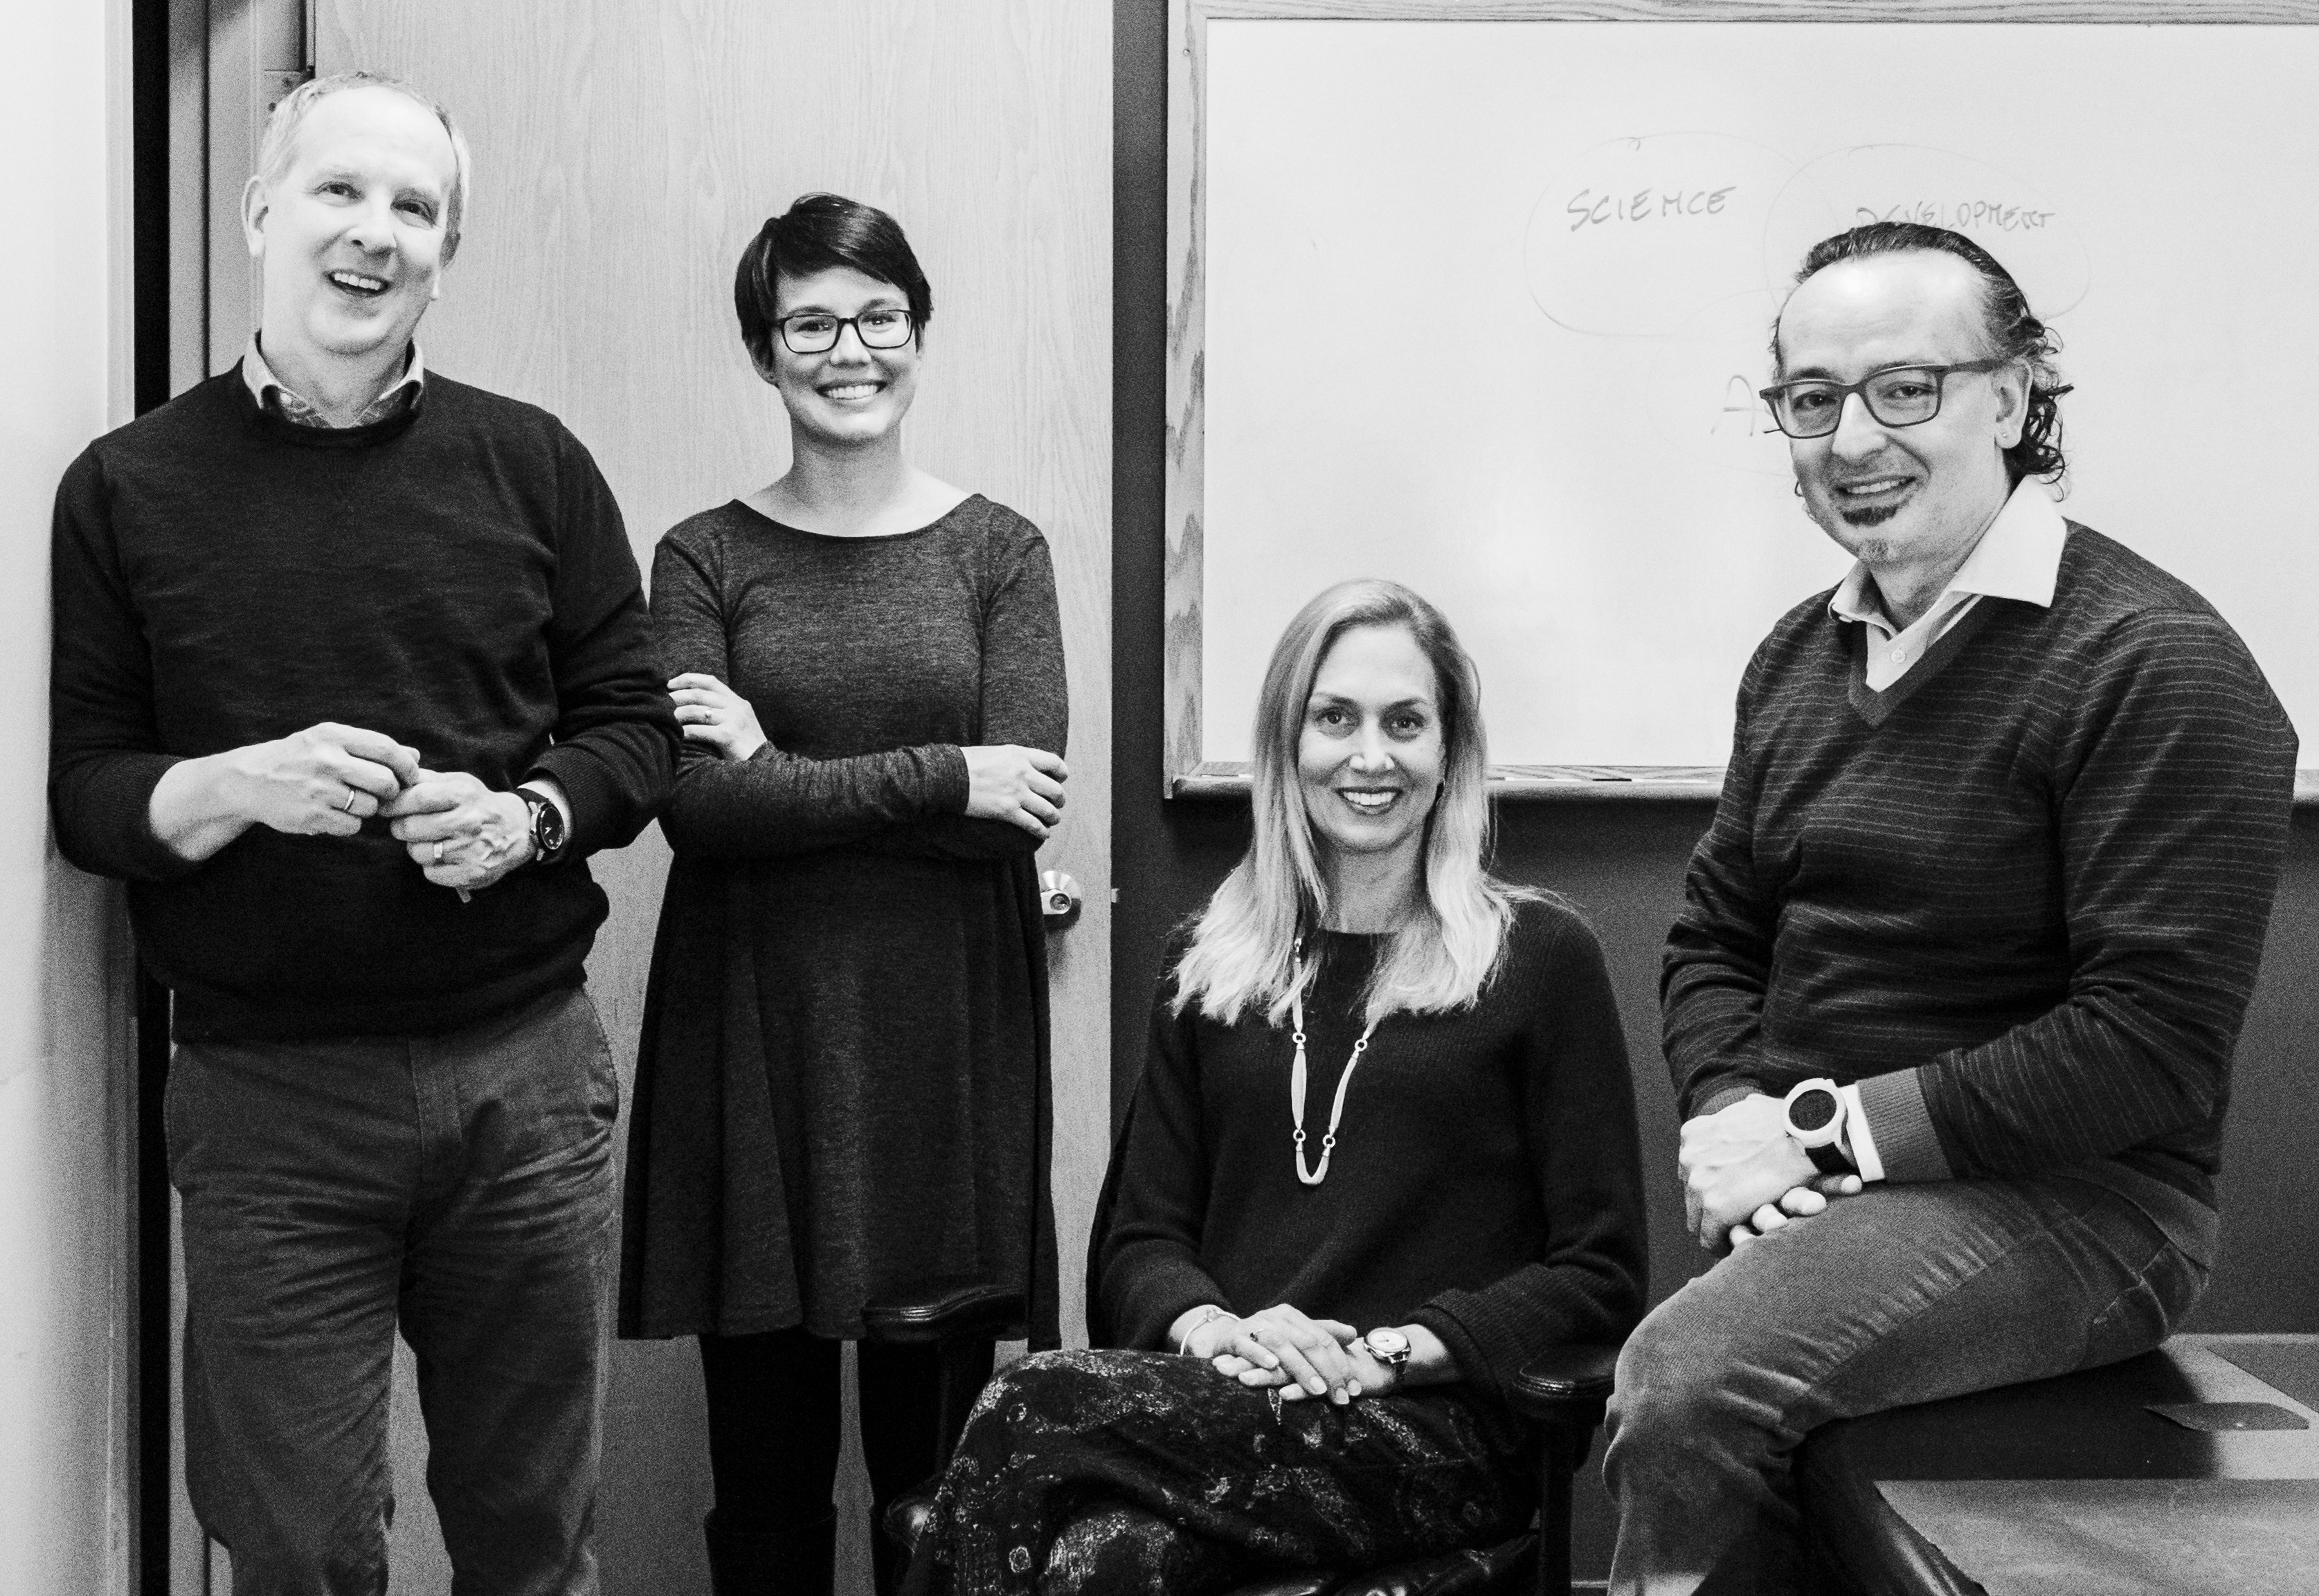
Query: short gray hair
(275, 150)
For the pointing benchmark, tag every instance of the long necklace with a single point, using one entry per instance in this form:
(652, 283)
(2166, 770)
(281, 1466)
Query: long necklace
(1296, 1077)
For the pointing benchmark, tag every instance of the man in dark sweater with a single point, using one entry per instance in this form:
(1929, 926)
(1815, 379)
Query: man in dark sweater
(1952, 1002)
(350, 676)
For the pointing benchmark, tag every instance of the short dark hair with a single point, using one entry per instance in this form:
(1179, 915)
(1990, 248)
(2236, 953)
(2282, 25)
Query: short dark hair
(2014, 334)
(817, 232)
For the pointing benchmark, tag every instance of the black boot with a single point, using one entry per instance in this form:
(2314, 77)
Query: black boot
(796, 1560)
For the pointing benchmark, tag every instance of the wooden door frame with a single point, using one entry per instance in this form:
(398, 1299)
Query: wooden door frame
(208, 72)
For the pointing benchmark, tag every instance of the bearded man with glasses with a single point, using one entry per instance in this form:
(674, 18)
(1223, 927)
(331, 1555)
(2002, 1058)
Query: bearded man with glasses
(1952, 998)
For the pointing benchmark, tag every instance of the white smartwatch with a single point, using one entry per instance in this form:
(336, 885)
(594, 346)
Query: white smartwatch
(1815, 1113)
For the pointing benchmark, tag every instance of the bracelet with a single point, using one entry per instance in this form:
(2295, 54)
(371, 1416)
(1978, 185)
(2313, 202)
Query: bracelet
(1208, 1315)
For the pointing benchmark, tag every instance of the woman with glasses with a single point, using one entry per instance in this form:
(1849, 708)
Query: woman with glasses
(1382, 1155)
(842, 1090)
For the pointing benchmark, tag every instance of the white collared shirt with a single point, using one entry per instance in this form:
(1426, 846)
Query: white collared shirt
(2018, 557)
(273, 393)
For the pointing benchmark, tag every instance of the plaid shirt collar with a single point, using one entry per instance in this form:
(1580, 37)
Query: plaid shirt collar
(273, 394)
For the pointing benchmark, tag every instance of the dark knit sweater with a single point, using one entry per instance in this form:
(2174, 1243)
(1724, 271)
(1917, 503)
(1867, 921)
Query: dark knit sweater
(1485, 1182)
(2020, 896)
(841, 1087)
(456, 577)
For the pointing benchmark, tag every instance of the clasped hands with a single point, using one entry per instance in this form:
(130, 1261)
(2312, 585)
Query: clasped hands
(1745, 1176)
(1300, 1356)
(1023, 786)
(326, 782)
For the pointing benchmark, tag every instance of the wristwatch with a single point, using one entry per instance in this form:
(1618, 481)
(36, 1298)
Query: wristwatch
(546, 826)
(1388, 1347)
(1815, 1112)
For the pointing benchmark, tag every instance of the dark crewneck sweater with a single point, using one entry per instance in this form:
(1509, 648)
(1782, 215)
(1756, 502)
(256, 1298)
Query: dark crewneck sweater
(2020, 896)
(456, 577)
(1485, 1182)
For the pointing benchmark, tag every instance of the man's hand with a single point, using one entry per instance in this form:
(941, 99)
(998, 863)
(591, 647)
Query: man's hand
(459, 832)
(323, 781)
(1796, 1202)
(1021, 785)
(714, 713)
(1734, 1162)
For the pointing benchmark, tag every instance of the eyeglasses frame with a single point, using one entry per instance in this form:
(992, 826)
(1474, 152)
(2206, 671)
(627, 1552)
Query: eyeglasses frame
(910, 325)
(1845, 390)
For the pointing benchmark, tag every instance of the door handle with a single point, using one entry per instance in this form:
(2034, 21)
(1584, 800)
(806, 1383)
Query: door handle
(1060, 900)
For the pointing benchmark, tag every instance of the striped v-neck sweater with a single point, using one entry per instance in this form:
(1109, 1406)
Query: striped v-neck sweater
(2020, 896)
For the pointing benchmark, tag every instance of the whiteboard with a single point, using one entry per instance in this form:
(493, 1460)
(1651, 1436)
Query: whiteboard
(1486, 302)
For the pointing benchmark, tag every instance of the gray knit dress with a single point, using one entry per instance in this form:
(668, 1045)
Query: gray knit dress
(842, 1086)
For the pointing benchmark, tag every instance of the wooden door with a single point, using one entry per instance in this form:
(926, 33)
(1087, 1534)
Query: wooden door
(623, 152)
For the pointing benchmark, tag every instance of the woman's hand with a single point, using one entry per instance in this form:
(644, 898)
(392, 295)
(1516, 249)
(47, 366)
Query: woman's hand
(1429, 1363)
(1282, 1347)
(712, 713)
(1021, 785)
(1370, 1378)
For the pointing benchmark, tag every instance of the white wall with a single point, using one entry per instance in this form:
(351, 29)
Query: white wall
(65, 1058)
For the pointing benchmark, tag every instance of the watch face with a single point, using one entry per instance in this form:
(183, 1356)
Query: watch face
(546, 825)
(1812, 1110)
(1388, 1344)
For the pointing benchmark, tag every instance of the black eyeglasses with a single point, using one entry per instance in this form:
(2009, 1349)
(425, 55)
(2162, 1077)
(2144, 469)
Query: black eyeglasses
(812, 332)
(1896, 396)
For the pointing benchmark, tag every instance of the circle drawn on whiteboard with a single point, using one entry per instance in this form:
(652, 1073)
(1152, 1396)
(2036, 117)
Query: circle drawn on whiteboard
(1633, 235)
(1703, 385)
(2031, 235)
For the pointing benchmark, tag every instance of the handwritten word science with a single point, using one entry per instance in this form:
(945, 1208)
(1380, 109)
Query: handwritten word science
(1587, 208)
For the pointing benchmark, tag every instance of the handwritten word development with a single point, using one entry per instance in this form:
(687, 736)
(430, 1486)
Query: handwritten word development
(1965, 216)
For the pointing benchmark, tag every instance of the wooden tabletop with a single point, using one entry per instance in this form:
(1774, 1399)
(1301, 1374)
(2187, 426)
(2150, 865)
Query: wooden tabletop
(2082, 1485)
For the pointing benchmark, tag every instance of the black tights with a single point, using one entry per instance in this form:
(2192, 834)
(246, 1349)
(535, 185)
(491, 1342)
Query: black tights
(773, 1413)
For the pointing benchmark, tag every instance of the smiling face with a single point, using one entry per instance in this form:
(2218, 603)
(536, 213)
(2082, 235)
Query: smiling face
(1369, 755)
(848, 394)
(350, 238)
(1917, 496)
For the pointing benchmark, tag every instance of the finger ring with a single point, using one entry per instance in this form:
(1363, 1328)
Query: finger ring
(352, 794)
(438, 853)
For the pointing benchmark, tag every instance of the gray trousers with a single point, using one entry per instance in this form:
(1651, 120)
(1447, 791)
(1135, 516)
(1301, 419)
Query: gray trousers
(458, 1187)
(1901, 1294)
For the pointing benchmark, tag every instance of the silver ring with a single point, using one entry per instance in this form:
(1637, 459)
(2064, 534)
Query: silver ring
(438, 853)
(352, 794)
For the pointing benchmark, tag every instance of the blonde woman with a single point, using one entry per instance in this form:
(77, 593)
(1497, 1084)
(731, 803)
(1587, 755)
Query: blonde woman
(1383, 1152)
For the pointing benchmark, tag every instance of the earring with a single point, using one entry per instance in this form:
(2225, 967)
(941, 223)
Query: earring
(1798, 488)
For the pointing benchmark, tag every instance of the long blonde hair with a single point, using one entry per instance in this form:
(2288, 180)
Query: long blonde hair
(1243, 951)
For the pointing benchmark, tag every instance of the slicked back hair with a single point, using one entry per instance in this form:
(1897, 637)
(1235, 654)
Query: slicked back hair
(279, 147)
(2012, 331)
(818, 233)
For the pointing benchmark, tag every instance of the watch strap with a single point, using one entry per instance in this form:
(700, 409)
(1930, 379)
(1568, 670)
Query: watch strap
(1830, 1160)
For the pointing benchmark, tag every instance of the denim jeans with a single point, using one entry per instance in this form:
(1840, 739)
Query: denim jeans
(458, 1187)
(1901, 1294)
